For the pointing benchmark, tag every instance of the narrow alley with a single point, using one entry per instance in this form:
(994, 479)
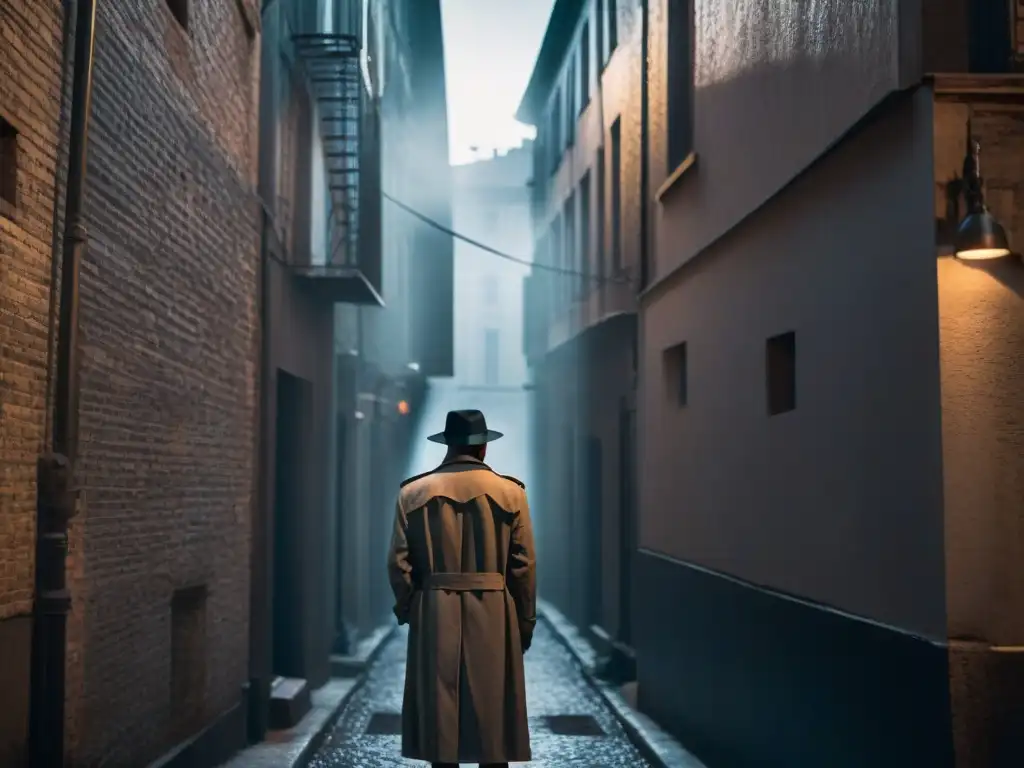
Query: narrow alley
(569, 723)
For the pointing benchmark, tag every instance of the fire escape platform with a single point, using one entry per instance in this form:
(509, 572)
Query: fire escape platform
(338, 284)
(349, 130)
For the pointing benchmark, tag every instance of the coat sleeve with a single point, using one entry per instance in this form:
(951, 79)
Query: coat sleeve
(522, 573)
(399, 567)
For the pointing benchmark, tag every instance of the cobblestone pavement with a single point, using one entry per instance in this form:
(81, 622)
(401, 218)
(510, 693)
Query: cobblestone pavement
(555, 687)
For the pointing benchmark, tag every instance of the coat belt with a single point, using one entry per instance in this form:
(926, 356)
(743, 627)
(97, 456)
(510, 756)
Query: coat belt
(466, 582)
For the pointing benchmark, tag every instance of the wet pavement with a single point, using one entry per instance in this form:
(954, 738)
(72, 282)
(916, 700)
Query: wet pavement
(570, 725)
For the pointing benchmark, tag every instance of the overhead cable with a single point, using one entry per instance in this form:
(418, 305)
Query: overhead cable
(494, 251)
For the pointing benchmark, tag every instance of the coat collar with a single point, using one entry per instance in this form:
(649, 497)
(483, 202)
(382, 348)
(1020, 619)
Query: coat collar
(462, 459)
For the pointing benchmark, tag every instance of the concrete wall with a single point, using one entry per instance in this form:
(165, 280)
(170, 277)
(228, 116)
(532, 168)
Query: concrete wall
(774, 537)
(840, 499)
(169, 357)
(583, 360)
(414, 328)
(772, 90)
(30, 104)
(981, 316)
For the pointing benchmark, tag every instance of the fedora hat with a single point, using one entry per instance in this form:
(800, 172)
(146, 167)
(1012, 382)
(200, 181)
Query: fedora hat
(465, 428)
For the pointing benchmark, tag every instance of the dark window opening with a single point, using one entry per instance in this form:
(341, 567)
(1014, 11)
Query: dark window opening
(8, 163)
(680, 81)
(611, 27)
(599, 256)
(677, 374)
(780, 369)
(616, 190)
(569, 248)
(179, 9)
(991, 41)
(188, 660)
(585, 67)
(571, 105)
(584, 259)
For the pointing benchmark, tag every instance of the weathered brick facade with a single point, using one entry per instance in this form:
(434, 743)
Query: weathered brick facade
(169, 359)
(29, 103)
(30, 44)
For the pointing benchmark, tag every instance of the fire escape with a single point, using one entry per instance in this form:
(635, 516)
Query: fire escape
(349, 116)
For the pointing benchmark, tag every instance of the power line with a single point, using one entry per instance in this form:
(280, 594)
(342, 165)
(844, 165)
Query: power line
(494, 251)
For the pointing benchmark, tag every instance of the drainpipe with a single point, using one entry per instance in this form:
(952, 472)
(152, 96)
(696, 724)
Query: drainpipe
(645, 269)
(56, 497)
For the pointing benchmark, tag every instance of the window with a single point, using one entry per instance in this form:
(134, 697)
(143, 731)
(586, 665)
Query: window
(188, 660)
(680, 81)
(585, 67)
(179, 9)
(616, 189)
(599, 33)
(583, 261)
(557, 134)
(676, 374)
(491, 360)
(571, 98)
(611, 22)
(8, 163)
(491, 290)
(601, 182)
(569, 247)
(780, 370)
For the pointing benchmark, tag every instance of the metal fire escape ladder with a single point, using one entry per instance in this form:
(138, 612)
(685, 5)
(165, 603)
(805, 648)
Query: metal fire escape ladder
(335, 80)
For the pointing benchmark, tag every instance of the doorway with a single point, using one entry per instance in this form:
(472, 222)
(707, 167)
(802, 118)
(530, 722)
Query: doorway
(341, 644)
(294, 432)
(593, 530)
(627, 518)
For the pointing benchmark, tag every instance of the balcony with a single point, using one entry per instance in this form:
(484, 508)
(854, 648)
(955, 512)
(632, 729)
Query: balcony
(349, 117)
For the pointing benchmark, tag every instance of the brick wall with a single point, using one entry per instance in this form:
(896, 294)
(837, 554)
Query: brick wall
(169, 334)
(30, 43)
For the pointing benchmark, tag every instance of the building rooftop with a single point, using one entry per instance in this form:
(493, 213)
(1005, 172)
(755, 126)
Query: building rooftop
(564, 18)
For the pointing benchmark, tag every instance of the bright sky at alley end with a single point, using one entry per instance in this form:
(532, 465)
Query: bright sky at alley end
(490, 49)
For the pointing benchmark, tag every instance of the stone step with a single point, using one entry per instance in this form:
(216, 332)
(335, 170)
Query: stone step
(289, 702)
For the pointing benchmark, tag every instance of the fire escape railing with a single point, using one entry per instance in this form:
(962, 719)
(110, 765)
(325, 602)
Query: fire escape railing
(332, 63)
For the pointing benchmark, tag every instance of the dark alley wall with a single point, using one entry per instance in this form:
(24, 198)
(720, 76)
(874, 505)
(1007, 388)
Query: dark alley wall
(30, 106)
(389, 351)
(820, 527)
(580, 333)
(981, 321)
(169, 333)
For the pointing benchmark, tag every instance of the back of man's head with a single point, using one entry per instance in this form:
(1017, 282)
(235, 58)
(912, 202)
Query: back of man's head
(478, 452)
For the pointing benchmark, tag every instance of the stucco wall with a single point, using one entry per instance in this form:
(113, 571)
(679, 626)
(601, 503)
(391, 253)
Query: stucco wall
(776, 83)
(838, 501)
(981, 312)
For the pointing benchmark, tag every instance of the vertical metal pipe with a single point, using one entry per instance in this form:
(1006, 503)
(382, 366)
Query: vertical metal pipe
(645, 48)
(56, 498)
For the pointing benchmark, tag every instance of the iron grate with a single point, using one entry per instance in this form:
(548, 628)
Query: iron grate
(573, 725)
(384, 724)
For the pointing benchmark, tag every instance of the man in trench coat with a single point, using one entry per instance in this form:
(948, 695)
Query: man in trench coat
(462, 569)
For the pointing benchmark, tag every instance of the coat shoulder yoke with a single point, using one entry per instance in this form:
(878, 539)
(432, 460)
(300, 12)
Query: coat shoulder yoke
(414, 478)
(515, 480)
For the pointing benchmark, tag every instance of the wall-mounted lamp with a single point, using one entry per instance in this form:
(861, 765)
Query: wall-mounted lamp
(979, 237)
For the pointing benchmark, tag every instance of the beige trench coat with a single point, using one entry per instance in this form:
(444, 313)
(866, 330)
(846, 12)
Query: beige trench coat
(462, 569)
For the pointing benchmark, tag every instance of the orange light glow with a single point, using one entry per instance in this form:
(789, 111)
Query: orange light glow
(403, 407)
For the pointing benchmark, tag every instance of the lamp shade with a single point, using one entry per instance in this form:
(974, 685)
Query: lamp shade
(980, 237)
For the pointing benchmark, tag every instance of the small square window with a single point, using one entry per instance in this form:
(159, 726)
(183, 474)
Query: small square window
(677, 375)
(780, 373)
(8, 163)
(179, 9)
